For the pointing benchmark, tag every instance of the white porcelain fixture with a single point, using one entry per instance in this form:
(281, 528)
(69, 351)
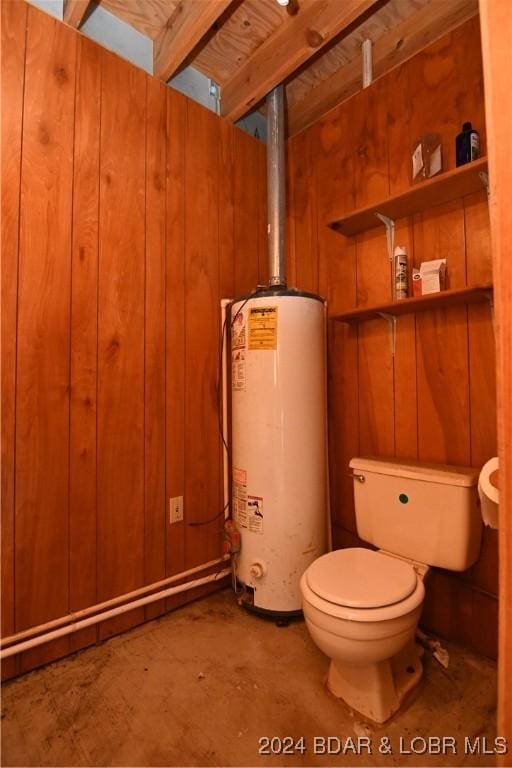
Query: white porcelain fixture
(362, 606)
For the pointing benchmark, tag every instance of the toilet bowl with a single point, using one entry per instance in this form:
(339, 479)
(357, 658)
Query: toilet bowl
(362, 606)
(361, 609)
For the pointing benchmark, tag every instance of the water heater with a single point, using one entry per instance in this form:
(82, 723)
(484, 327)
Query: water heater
(278, 443)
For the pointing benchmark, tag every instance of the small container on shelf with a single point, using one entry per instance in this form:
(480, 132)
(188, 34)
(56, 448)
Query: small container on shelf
(400, 273)
(427, 158)
(433, 276)
(416, 282)
(467, 145)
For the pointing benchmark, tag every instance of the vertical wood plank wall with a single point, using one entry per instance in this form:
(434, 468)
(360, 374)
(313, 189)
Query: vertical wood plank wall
(435, 401)
(129, 211)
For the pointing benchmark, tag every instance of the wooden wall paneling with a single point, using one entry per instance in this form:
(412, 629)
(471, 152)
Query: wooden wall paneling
(370, 147)
(175, 324)
(398, 129)
(455, 609)
(343, 432)
(121, 332)
(443, 386)
(404, 363)
(482, 383)
(14, 22)
(482, 373)
(444, 612)
(423, 403)
(304, 213)
(43, 362)
(246, 214)
(342, 538)
(376, 394)
(226, 191)
(335, 194)
(375, 360)
(342, 369)
(84, 337)
(334, 180)
(446, 88)
(482, 358)
(155, 305)
(440, 234)
(203, 500)
(442, 344)
(478, 238)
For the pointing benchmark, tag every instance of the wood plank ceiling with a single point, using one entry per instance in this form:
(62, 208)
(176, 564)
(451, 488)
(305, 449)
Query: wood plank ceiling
(314, 46)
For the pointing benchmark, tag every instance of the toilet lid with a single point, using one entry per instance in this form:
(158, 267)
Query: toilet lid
(361, 578)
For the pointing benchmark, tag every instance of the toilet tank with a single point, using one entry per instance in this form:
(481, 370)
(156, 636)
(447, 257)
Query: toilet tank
(426, 512)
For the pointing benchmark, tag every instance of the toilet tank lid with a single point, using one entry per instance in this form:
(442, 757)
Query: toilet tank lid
(416, 470)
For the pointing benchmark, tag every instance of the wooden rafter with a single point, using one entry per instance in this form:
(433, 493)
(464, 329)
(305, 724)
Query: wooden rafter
(74, 11)
(298, 38)
(400, 43)
(191, 20)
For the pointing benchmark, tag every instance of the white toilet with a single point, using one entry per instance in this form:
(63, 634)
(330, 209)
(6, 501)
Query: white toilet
(362, 606)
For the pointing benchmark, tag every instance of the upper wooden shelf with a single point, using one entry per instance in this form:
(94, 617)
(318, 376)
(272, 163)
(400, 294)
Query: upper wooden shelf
(473, 295)
(436, 191)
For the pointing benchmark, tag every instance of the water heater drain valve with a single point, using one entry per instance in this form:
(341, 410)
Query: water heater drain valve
(258, 569)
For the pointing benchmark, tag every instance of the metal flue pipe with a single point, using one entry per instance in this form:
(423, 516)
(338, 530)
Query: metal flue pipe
(276, 187)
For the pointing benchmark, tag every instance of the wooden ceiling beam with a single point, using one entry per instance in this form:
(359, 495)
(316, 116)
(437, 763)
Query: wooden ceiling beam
(298, 38)
(74, 12)
(394, 47)
(188, 24)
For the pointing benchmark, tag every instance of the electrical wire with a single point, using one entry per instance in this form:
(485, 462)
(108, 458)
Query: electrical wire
(212, 519)
(218, 388)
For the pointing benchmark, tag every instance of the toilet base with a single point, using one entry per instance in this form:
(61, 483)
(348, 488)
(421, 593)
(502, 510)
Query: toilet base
(377, 690)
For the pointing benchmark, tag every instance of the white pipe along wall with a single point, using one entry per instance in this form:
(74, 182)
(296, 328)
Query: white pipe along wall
(75, 621)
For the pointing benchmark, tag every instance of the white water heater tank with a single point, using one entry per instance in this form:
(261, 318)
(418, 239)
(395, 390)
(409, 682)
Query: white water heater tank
(278, 442)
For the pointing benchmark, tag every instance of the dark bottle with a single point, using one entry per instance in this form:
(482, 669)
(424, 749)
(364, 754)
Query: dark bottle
(467, 145)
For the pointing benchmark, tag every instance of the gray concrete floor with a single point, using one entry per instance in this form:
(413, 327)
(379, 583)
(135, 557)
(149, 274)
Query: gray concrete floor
(200, 686)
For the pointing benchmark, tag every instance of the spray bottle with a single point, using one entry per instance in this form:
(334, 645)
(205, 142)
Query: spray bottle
(400, 273)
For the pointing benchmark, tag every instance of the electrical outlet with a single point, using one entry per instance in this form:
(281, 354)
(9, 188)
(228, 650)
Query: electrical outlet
(176, 509)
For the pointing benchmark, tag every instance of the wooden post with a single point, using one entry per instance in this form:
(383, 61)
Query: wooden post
(496, 28)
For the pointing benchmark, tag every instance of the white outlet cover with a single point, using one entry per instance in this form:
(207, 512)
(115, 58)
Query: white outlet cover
(176, 509)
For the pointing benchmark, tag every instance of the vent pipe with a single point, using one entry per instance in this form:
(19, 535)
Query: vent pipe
(276, 186)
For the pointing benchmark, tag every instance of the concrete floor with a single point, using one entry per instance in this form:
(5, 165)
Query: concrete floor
(201, 686)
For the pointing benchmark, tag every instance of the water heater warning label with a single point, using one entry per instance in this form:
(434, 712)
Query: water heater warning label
(238, 369)
(255, 513)
(240, 496)
(247, 510)
(238, 352)
(263, 328)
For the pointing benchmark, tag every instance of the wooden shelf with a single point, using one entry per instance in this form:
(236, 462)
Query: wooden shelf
(440, 189)
(473, 295)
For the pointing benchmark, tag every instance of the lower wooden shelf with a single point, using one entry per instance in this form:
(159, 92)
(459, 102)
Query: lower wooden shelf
(473, 295)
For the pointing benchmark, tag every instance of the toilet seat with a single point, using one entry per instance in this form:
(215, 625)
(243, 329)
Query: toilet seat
(361, 578)
(362, 585)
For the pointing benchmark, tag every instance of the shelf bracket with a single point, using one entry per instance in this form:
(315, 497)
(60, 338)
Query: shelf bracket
(391, 319)
(390, 237)
(390, 232)
(484, 178)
